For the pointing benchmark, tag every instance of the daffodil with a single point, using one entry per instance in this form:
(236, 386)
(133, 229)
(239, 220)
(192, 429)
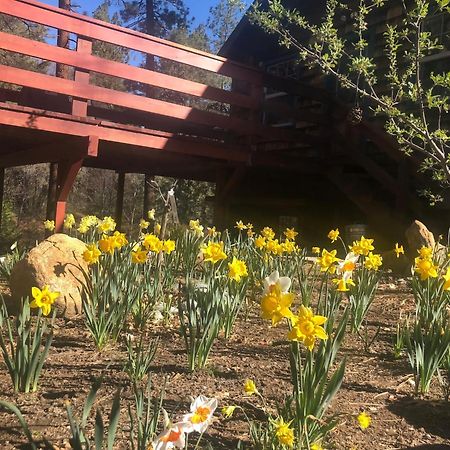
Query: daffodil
(425, 252)
(240, 225)
(343, 284)
(139, 256)
(333, 234)
(315, 250)
(268, 233)
(237, 269)
(446, 278)
(168, 246)
(276, 300)
(250, 387)
(49, 225)
(363, 246)
(107, 244)
(327, 260)
(175, 436)
(306, 327)
(144, 224)
(157, 228)
(195, 226)
(425, 268)
(346, 266)
(43, 299)
(69, 221)
(107, 225)
(290, 233)
(399, 250)
(91, 254)
(152, 243)
(119, 239)
(228, 411)
(213, 252)
(260, 242)
(202, 410)
(283, 432)
(211, 231)
(317, 446)
(373, 261)
(364, 420)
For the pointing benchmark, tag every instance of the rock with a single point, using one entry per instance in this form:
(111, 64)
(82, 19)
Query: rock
(418, 235)
(58, 262)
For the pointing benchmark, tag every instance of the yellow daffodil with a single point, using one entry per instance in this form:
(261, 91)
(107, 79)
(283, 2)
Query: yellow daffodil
(268, 233)
(107, 244)
(316, 250)
(49, 225)
(306, 327)
(157, 228)
(260, 242)
(86, 222)
(195, 226)
(425, 252)
(69, 221)
(168, 246)
(317, 446)
(373, 261)
(446, 278)
(237, 269)
(151, 214)
(399, 250)
(273, 246)
(277, 300)
(211, 231)
(152, 243)
(343, 283)
(240, 225)
(288, 246)
(119, 239)
(290, 233)
(364, 420)
(250, 232)
(43, 299)
(333, 234)
(363, 246)
(327, 260)
(283, 432)
(106, 225)
(139, 256)
(91, 254)
(143, 224)
(425, 268)
(213, 252)
(228, 411)
(250, 387)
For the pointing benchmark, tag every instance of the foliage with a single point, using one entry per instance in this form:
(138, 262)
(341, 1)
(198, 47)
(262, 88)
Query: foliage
(10, 259)
(416, 102)
(140, 357)
(25, 346)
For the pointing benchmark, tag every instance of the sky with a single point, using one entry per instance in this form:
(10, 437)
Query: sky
(198, 8)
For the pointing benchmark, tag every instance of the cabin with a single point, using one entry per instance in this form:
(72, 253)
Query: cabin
(274, 137)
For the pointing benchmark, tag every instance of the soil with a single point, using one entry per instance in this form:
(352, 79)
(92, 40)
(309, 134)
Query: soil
(375, 382)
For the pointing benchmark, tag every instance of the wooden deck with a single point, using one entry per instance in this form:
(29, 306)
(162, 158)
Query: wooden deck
(74, 122)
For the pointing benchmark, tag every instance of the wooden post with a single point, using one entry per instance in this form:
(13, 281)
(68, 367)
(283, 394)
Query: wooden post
(52, 188)
(67, 172)
(119, 198)
(79, 107)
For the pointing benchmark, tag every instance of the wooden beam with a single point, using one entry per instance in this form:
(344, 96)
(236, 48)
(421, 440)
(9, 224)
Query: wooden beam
(67, 125)
(96, 64)
(79, 107)
(56, 151)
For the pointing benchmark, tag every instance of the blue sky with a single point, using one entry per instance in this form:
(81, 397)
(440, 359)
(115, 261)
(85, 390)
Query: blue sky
(198, 8)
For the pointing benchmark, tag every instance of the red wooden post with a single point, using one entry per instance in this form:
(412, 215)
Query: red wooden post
(79, 107)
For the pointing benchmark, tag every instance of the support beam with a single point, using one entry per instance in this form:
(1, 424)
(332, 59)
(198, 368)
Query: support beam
(72, 148)
(67, 172)
(119, 198)
(52, 190)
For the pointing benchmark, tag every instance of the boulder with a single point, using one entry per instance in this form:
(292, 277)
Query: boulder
(418, 235)
(58, 262)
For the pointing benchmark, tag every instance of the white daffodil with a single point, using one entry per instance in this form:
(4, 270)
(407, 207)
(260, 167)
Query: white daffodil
(274, 278)
(346, 267)
(202, 410)
(173, 437)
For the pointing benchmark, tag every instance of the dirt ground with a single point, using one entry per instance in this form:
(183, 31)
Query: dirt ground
(374, 382)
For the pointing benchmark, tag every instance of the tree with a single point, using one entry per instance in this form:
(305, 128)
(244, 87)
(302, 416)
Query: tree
(415, 102)
(223, 19)
(108, 51)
